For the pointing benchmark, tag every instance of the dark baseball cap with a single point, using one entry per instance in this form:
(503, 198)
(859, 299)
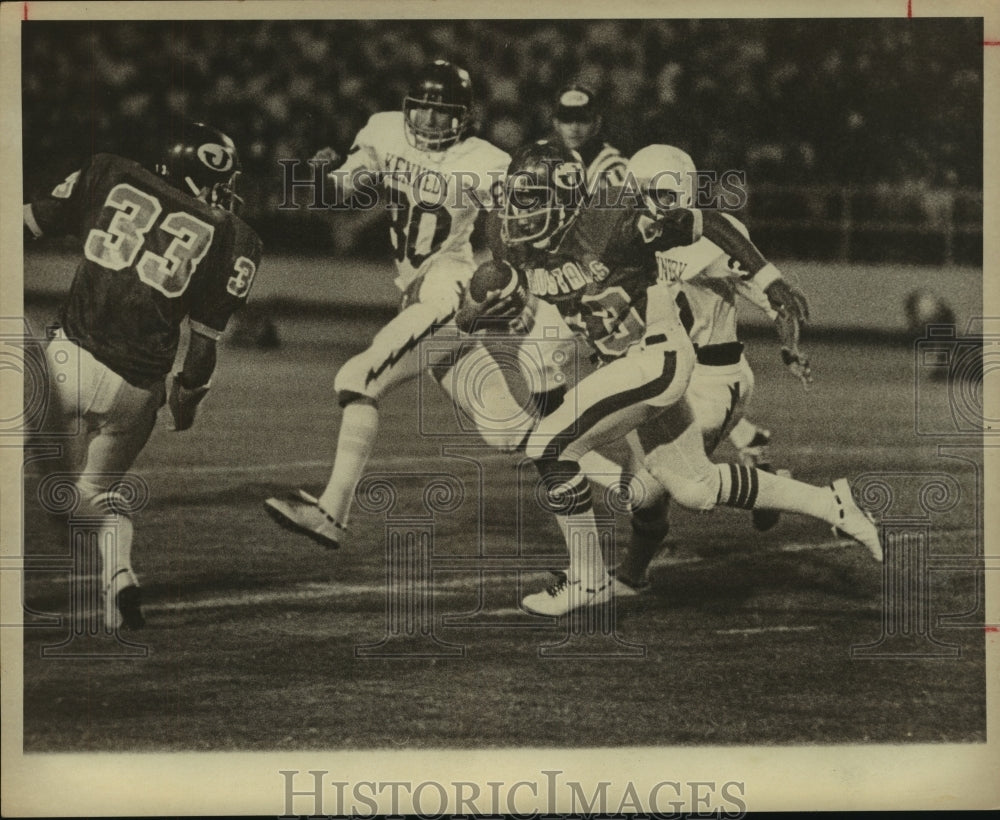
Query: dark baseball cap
(576, 103)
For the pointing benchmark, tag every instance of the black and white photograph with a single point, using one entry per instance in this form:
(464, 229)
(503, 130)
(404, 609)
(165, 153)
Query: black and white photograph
(443, 408)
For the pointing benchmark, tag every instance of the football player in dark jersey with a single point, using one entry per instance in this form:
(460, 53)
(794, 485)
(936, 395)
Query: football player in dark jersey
(554, 356)
(161, 247)
(598, 266)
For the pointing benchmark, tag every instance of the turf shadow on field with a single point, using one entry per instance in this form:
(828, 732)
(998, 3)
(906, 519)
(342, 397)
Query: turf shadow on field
(729, 582)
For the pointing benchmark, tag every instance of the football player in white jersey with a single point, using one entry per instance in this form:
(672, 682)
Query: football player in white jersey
(437, 178)
(707, 281)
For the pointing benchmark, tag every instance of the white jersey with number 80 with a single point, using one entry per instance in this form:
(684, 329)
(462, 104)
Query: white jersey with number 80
(433, 197)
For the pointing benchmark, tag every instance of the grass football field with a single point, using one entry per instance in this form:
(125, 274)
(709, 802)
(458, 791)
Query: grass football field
(256, 637)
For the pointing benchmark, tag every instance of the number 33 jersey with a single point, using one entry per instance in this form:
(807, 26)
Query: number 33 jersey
(433, 197)
(152, 256)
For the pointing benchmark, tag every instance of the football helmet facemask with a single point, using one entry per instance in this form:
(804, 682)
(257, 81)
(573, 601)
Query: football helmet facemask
(444, 90)
(544, 189)
(665, 176)
(203, 162)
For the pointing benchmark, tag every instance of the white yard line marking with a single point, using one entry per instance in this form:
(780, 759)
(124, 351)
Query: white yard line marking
(313, 591)
(795, 546)
(825, 545)
(757, 630)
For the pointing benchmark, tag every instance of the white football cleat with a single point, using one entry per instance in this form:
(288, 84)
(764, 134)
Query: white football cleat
(853, 521)
(565, 596)
(304, 515)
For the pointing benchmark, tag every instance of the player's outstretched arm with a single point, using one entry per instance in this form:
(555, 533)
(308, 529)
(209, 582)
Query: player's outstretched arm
(784, 297)
(190, 385)
(788, 302)
(56, 214)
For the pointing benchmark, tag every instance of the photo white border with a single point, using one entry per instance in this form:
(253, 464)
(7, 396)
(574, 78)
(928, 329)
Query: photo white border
(897, 777)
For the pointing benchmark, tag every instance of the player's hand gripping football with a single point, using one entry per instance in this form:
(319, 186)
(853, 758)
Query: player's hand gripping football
(183, 402)
(496, 298)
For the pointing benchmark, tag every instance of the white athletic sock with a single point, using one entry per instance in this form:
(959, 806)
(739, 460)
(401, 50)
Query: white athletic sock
(358, 430)
(114, 539)
(586, 561)
(104, 519)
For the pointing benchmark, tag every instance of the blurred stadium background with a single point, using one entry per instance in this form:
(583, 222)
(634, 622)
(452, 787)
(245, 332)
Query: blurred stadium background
(861, 138)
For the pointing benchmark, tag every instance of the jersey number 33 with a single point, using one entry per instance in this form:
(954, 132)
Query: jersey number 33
(120, 244)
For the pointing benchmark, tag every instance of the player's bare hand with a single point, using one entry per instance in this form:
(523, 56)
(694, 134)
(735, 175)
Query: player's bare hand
(793, 358)
(798, 364)
(788, 300)
(183, 402)
(327, 155)
(496, 312)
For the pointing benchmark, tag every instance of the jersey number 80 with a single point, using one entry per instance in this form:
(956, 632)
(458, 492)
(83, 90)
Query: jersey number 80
(417, 230)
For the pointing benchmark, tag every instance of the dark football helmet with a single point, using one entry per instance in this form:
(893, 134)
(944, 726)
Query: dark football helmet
(202, 160)
(444, 90)
(546, 185)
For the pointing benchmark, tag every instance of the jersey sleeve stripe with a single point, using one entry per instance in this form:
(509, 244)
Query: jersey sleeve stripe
(205, 330)
(730, 240)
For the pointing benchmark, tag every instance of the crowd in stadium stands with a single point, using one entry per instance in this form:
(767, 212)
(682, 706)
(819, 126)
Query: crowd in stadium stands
(806, 101)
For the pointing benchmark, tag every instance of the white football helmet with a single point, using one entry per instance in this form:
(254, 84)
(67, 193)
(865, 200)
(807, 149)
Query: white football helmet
(665, 176)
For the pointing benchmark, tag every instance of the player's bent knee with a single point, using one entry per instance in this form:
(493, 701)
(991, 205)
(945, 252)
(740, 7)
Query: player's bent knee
(695, 489)
(349, 383)
(346, 397)
(563, 488)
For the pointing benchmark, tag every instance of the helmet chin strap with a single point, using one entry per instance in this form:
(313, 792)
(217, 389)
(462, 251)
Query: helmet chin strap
(195, 189)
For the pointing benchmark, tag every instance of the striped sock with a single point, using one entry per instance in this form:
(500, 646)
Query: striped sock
(112, 533)
(749, 488)
(739, 486)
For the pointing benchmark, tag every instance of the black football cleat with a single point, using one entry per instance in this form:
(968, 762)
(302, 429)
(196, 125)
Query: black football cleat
(129, 604)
